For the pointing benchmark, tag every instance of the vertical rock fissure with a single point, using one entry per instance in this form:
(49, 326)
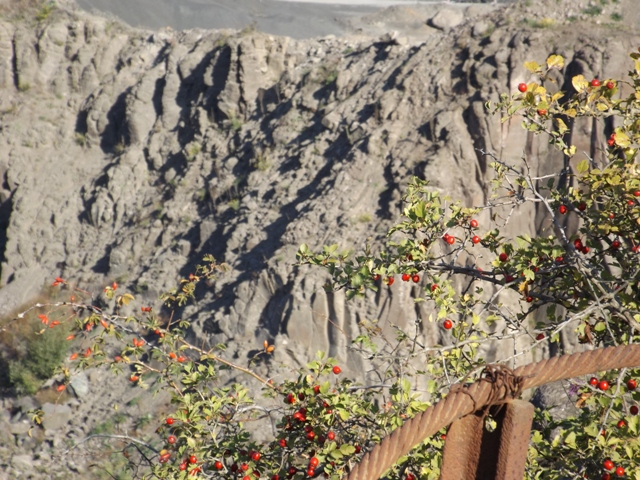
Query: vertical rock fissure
(14, 63)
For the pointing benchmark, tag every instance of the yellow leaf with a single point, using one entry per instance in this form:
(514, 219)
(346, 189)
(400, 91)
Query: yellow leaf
(571, 151)
(555, 61)
(562, 127)
(126, 298)
(540, 90)
(579, 83)
(638, 66)
(570, 112)
(602, 107)
(533, 67)
(622, 139)
(557, 96)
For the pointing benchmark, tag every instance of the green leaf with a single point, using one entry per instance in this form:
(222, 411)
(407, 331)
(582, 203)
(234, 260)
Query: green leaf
(583, 166)
(347, 449)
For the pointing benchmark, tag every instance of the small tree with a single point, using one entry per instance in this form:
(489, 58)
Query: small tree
(482, 288)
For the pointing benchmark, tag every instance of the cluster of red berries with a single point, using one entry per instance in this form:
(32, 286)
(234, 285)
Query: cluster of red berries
(415, 278)
(580, 247)
(450, 239)
(612, 140)
(608, 464)
(599, 384)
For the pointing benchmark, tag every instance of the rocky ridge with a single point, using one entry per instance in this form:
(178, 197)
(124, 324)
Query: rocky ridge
(128, 155)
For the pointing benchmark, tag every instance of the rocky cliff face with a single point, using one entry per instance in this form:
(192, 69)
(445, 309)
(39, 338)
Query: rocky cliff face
(127, 155)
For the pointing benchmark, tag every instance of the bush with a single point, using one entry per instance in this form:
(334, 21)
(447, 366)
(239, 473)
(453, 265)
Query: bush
(481, 287)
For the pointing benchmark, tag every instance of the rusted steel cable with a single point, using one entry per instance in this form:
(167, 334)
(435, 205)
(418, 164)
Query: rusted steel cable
(463, 401)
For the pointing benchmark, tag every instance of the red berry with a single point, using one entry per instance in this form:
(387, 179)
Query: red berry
(291, 398)
(606, 476)
(595, 82)
(358, 449)
(311, 436)
(246, 477)
(585, 250)
(611, 85)
(608, 464)
(473, 223)
(410, 476)
(331, 436)
(316, 389)
(283, 443)
(434, 287)
(522, 87)
(508, 279)
(255, 456)
(337, 370)
(244, 467)
(218, 465)
(603, 385)
(476, 239)
(275, 477)
(611, 142)
(621, 424)
(529, 300)
(447, 324)
(406, 277)
(559, 259)
(293, 471)
(314, 462)
(632, 384)
(451, 240)
(540, 336)
(193, 459)
(620, 472)
(301, 396)
(542, 112)
(562, 209)
(445, 237)
(593, 381)
(503, 257)
(634, 410)
(390, 281)
(578, 244)
(171, 439)
(611, 216)
(582, 206)
(311, 472)
(376, 277)
(183, 466)
(415, 278)
(169, 421)
(636, 193)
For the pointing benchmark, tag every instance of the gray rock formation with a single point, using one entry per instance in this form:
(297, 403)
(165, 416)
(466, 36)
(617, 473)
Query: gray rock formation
(127, 155)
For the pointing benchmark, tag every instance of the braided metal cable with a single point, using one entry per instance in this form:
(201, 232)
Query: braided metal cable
(470, 399)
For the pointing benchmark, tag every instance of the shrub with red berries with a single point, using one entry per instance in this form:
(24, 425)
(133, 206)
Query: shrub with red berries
(482, 287)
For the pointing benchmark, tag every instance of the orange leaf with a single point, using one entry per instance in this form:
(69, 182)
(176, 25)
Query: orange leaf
(87, 352)
(44, 319)
(73, 356)
(71, 337)
(104, 323)
(61, 388)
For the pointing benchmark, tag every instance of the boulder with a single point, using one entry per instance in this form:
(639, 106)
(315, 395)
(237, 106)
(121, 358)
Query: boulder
(447, 18)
